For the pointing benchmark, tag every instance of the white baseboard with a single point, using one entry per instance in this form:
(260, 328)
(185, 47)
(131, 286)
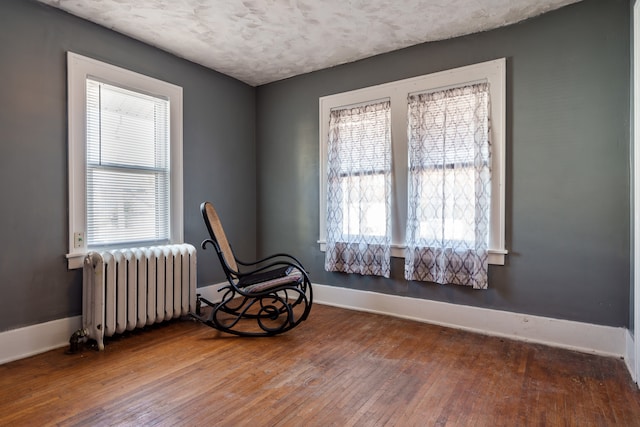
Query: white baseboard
(603, 340)
(28, 341)
(630, 357)
(210, 292)
(584, 337)
(31, 340)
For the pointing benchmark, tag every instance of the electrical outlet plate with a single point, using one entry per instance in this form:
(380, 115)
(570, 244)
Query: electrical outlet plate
(78, 239)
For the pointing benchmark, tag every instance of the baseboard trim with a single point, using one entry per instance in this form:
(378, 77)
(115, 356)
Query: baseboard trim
(578, 336)
(571, 335)
(31, 340)
(210, 292)
(19, 343)
(597, 339)
(630, 356)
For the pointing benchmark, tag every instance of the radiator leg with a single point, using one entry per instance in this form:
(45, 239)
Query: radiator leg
(76, 338)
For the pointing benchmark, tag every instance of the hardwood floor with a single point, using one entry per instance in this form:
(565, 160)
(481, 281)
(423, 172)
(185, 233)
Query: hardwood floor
(339, 368)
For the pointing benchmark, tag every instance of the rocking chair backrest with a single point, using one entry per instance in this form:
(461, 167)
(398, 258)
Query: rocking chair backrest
(216, 231)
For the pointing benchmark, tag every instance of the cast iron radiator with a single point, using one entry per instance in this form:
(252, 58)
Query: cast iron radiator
(130, 288)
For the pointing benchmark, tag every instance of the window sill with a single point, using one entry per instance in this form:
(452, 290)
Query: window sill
(496, 256)
(75, 260)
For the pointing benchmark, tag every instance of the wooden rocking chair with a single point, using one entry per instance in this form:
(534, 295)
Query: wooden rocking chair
(272, 295)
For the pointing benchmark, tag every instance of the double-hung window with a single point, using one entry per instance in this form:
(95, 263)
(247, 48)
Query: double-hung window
(449, 190)
(125, 158)
(448, 168)
(359, 189)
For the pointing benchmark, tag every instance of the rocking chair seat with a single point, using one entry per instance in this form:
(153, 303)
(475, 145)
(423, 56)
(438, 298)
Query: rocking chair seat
(266, 297)
(263, 286)
(264, 276)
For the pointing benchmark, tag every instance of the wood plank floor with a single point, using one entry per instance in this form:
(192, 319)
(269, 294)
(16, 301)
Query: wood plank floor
(339, 368)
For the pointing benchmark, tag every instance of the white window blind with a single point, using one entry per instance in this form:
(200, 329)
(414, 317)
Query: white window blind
(127, 171)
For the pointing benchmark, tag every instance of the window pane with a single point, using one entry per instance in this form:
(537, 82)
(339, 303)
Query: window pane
(448, 205)
(444, 129)
(124, 207)
(364, 205)
(361, 137)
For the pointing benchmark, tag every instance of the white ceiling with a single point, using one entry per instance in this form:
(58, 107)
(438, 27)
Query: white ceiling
(261, 41)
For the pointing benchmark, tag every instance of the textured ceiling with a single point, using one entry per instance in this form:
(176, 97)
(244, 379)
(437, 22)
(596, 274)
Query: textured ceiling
(260, 41)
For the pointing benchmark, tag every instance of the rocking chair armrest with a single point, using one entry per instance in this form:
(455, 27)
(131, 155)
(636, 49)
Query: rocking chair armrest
(270, 266)
(293, 261)
(205, 242)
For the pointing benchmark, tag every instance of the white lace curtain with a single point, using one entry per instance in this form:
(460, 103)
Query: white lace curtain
(449, 186)
(359, 190)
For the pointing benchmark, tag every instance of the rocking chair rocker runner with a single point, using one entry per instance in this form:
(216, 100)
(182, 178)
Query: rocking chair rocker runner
(272, 295)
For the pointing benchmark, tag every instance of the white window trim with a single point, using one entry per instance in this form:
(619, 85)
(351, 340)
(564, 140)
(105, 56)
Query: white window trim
(493, 72)
(78, 69)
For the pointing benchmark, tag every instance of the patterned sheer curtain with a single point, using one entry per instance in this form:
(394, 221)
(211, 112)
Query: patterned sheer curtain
(449, 186)
(359, 190)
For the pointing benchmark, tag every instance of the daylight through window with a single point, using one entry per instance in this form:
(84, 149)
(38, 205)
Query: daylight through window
(447, 166)
(127, 166)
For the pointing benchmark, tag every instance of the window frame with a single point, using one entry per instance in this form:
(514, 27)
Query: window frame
(493, 72)
(79, 68)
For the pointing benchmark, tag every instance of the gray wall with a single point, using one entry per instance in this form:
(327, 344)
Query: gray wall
(568, 159)
(219, 154)
(567, 163)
